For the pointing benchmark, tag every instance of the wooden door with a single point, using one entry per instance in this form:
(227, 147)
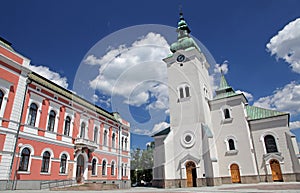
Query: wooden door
(235, 173)
(191, 174)
(276, 170)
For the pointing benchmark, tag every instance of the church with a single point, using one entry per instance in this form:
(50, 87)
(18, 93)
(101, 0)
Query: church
(217, 139)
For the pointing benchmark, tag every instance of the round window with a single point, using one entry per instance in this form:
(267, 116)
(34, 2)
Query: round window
(188, 139)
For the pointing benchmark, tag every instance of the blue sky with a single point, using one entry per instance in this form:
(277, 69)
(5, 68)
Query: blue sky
(58, 37)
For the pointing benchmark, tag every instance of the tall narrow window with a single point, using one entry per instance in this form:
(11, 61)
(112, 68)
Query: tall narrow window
(95, 134)
(125, 170)
(1, 98)
(63, 164)
(51, 121)
(112, 168)
(181, 95)
(226, 114)
(32, 114)
(45, 162)
(24, 160)
(113, 140)
(125, 144)
(231, 144)
(122, 141)
(105, 138)
(122, 170)
(82, 130)
(270, 144)
(94, 165)
(187, 91)
(103, 168)
(67, 126)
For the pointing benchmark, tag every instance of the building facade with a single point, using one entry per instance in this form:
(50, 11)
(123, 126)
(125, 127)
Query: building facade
(217, 139)
(48, 133)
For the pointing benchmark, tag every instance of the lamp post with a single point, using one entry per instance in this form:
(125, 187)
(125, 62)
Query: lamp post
(14, 185)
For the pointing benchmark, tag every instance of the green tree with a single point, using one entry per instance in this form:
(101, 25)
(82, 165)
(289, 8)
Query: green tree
(142, 164)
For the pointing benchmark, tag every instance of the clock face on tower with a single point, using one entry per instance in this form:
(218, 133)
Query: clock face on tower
(180, 58)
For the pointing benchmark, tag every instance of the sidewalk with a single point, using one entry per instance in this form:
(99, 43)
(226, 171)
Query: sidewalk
(279, 187)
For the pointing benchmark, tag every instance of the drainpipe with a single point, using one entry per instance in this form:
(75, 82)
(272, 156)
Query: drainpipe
(119, 156)
(28, 81)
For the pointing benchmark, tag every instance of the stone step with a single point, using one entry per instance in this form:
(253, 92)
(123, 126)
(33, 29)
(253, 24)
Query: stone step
(89, 186)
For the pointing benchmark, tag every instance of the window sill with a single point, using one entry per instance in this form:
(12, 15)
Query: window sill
(45, 173)
(184, 99)
(229, 120)
(23, 172)
(61, 174)
(94, 175)
(232, 152)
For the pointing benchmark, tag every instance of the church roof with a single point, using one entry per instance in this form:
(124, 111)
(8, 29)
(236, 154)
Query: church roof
(162, 132)
(6, 44)
(224, 89)
(255, 113)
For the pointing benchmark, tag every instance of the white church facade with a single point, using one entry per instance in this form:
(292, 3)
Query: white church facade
(217, 139)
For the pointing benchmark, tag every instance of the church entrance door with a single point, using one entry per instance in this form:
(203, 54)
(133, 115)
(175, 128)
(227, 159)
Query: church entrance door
(79, 169)
(276, 170)
(235, 173)
(191, 174)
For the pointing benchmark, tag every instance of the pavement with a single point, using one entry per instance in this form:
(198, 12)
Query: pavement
(275, 187)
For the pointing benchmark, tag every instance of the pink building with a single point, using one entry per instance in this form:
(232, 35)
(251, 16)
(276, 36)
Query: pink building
(48, 133)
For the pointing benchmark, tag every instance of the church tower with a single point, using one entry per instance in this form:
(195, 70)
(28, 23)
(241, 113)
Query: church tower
(186, 141)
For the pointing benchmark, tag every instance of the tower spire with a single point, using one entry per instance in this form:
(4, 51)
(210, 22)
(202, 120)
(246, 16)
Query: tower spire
(184, 41)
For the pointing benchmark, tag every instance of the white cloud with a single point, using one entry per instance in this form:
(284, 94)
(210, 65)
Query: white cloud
(218, 68)
(215, 75)
(50, 75)
(95, 98)
(295, 125)
(248, 95)
(286, 99)
(160, 126)
(135, 73)
(105, 102)
(285, 45)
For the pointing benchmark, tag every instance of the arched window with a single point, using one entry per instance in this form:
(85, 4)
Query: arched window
(24, 160)
(181, 95)
(187, 91)
(270, 144)
(32, 114)
(231, 144)
(63, 164)
(82, 130)
(1, 97)
(95, 134)
(67, 126)
(112, 168)
(113, 140)
(94, 166)
(226, 113)
(103, 168)
(105, 138)
(125, 144)
(45, 162)
(51, 121)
